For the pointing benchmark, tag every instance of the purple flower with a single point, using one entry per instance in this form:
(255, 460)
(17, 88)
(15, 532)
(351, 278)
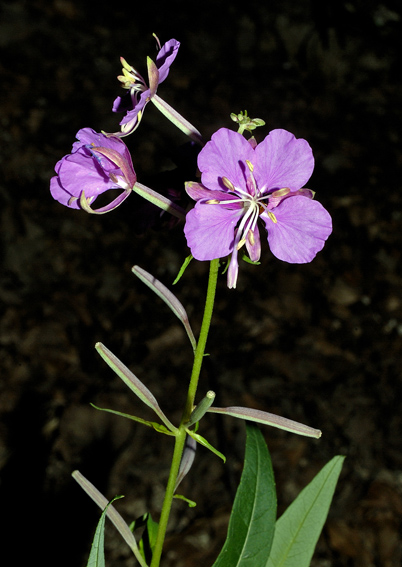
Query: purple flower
(96, 164)
(242, 182)
(140, 93)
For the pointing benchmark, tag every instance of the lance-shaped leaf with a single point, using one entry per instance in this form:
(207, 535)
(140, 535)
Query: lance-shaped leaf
(111, 513)
(168, 297)
(133, 383)
(157, 426)
(252, 521)
(298, 529)
(183, 268)
(202, 441)
(267, 418)
(97, 555)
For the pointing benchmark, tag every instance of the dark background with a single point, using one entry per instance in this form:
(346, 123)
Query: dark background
(319, 343)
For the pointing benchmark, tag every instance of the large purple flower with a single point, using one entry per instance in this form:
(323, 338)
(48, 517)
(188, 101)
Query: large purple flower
(140, 93)
(242, 182)
(96, 164)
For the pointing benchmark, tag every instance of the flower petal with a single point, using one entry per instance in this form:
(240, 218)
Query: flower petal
(209, 230)
(301, 229)
(165, 58)
(283, 161)
(197, 191)
(79, 171)
(225, 156)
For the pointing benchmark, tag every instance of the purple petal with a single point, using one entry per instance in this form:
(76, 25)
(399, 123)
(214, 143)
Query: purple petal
(165, 58)
(301, 229)
(133, 117)
(197, 191)
(209, 230)
(281, 160)
(225, 156)
(61, 195)
(80, 172)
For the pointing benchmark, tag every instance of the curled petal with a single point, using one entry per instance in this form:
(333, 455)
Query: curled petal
(165, 58)
(302, 226)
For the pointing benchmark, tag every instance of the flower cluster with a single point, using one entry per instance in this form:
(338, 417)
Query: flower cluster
(242, 182)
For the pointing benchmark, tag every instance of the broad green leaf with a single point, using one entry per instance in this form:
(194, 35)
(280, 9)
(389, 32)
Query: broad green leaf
(169, 298)
(202, 441)
(252, 522)
(157, 426)
(266, 418)
(298, 529)
(97, 555)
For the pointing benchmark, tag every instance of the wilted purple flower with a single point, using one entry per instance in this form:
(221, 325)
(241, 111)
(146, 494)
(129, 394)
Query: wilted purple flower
(140, 93)
(242, 182)
(96, 164)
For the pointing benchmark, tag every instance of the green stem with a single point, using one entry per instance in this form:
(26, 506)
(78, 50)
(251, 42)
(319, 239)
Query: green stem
(181, 433)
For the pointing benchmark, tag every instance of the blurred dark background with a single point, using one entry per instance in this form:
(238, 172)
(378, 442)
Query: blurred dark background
(319, 343)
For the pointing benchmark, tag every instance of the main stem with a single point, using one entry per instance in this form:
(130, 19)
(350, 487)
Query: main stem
(181, 433)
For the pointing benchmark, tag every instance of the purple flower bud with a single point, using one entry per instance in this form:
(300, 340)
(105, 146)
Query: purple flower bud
(97, 164)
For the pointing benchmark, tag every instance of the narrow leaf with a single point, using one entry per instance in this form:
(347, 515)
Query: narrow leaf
(148, 540)
(202, 441)
(169, 298)
(252, 522)
(111, 513)
(298, 529)
(133, 383)
(183, 268)
(266, 418)
(157, 426)
(97, 555)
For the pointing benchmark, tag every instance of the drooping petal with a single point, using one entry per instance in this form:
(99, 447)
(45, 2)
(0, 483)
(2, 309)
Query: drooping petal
(225, 155)
(78, 172)
(209, 230)
(131, 119)
(281, 160)
(165, 58)
(302, 226)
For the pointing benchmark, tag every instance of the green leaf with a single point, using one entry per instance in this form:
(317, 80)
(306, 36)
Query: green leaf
(183, 268)
(252, 522)
(97, 555)
(157, 426)
(202, 441)
(148, 540)
(298, 529)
